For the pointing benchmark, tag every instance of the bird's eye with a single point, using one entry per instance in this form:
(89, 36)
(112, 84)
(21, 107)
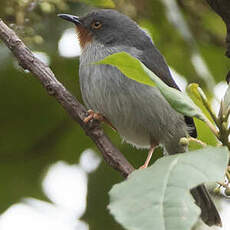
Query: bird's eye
(96, 25)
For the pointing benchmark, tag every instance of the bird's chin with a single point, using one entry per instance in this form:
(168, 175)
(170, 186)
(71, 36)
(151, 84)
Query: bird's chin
(84, 35)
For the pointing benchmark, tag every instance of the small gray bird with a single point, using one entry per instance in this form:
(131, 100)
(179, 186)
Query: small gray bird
(139, 113)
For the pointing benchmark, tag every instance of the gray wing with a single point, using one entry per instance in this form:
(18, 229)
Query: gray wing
(152, 59)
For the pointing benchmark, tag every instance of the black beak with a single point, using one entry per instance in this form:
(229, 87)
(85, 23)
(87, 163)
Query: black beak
(70, 18)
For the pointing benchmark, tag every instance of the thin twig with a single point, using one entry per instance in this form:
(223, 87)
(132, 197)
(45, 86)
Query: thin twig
(43, 73)
(192, 139)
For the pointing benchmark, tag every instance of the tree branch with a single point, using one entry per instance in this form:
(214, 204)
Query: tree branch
(43, 73)
(222, 8)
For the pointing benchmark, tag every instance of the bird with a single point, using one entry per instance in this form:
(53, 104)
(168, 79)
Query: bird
(138, 112)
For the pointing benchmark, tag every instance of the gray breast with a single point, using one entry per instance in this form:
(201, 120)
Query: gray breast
(139, 112)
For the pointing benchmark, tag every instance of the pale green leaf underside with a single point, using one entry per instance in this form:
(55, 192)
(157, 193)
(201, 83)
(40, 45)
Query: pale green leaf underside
(135, 70)
(177, 99)
(129, 66)
(158, 197)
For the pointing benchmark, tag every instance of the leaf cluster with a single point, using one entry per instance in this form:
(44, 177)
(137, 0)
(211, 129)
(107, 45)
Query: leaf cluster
(164, 202)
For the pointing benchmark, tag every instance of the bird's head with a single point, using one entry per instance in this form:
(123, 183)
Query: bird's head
(107, 27)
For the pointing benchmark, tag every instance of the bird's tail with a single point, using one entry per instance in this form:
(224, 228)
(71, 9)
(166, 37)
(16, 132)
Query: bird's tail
(209, 213)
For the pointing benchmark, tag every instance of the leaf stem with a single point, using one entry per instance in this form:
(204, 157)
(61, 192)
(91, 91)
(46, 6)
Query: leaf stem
(220, 122)
(209, 109)
(222, 184)
(212, 127)
(226, 116)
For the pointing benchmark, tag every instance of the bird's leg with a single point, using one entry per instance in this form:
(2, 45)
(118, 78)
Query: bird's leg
(150, 153)
(97, 116)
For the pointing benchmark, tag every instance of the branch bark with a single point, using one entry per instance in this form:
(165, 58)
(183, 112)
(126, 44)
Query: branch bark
(43, 73)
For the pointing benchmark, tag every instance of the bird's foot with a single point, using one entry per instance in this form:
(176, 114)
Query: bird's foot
(93, 116)
(144, 166)
(97, 116)
(150, 153)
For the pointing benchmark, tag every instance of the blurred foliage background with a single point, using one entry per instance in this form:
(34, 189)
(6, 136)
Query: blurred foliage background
(35, 132)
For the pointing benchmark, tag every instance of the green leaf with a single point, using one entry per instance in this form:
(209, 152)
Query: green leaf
(158, 197)
(135, 70)
(100, 3)
(129, 66)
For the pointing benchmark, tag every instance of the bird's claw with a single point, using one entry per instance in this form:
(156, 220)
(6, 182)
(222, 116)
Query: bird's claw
(144, 166)
(97, 116)
(93, 116)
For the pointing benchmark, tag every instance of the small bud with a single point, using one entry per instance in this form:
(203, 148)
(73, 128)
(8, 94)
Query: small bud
(184, 141)
(227, 191)
(217, 190)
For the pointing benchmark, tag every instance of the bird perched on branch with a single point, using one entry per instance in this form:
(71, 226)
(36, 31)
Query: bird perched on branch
(139, 113)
